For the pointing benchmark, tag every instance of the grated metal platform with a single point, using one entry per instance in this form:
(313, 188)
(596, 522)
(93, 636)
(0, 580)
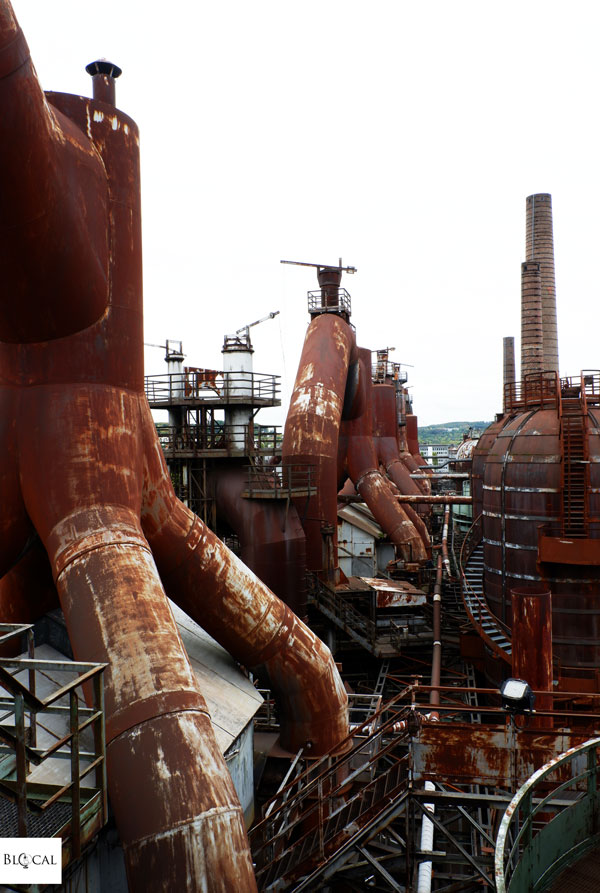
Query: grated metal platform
(45, 824)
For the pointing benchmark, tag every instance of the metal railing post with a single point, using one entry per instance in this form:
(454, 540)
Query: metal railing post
(75, 779)
(21, 765)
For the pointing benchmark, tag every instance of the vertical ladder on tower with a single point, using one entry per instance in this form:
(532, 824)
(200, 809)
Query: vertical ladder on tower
(574, 444)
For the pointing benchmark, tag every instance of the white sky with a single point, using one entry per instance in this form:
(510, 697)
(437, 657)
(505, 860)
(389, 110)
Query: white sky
(402, 136)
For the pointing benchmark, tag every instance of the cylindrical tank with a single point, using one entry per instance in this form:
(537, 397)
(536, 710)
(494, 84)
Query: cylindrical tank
(237, 370)
(523, 497)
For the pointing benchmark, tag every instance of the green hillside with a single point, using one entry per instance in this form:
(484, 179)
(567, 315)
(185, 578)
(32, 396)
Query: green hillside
(450, 432)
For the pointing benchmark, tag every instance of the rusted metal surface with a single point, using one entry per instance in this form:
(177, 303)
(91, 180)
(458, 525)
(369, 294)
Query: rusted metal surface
(237, 609)
(395, 593)
(386, 444)
(363, 468)
(312, 428)
(71, 367)
(532, 644)
(412, 440)
(538, 480)
(436, 659)
(498, 756)
(82, 398)
(272, 540)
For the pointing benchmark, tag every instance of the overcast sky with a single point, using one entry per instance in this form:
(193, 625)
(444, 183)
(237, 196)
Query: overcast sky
(402, 136)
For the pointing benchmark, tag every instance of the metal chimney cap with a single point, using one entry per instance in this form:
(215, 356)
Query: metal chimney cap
(103, 66)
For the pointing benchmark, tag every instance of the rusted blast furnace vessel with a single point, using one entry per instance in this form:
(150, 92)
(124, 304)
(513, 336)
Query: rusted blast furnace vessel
(83, 470)
(337, 424)
(536, 476)
(540, 500)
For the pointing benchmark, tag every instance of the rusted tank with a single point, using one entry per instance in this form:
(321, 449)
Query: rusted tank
(371, 484)
(541, 509)
(330, 426)
(272, 540)
(81, 457)
(386, 445)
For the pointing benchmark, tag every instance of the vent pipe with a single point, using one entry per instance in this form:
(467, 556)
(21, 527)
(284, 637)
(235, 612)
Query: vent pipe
(104, 74)
(532, 357)
(539, 247)
(508, 365)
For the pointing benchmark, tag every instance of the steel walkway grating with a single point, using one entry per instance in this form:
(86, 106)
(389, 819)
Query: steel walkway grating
(45, 824)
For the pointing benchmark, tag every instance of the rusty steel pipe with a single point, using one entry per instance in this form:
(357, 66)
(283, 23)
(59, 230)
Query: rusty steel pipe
(363, 468)
(436, 659)
(386, 444)
(213, 586)
(532, 645)
(103, 75)
(445, 527)
(312, 429)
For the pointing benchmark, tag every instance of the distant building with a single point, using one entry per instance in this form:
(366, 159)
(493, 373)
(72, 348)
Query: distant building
(438, 453)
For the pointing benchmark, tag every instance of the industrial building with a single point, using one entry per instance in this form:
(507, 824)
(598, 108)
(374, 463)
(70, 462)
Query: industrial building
(239, 658)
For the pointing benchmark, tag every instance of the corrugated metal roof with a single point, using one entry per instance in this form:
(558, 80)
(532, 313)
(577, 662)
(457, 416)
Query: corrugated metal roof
(231, 698)
(356, 515)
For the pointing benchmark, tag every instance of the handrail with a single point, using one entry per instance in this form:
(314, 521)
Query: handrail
(539, 389)
(470, 543)
(561, 839)
(189, 387)
(277, 481)
(219, 436)
(304, 814)
(25, 701)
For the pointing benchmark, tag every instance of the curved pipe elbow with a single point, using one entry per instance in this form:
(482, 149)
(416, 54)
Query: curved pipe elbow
(221, 594)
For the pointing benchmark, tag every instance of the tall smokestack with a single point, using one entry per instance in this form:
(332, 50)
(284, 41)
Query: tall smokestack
(532, 349)
(508, 365)
(539, 247)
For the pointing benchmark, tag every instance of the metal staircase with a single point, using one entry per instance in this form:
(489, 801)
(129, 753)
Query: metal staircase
(495, 634)
(328, 814)
(573, 436)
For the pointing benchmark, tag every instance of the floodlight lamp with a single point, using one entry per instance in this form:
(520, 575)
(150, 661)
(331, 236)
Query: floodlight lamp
(517, 696)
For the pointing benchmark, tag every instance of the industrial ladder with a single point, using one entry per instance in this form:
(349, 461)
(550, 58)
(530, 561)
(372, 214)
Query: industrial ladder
(573, 437)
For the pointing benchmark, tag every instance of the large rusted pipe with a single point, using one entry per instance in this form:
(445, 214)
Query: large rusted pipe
(386, 444)
(363, 468)
(531, 634)
(238, 610)
(539, 247)
(312, 429)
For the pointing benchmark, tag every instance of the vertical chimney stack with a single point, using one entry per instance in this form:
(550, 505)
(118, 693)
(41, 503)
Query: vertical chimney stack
(508, 366)
(532, 348)
(539, 247)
